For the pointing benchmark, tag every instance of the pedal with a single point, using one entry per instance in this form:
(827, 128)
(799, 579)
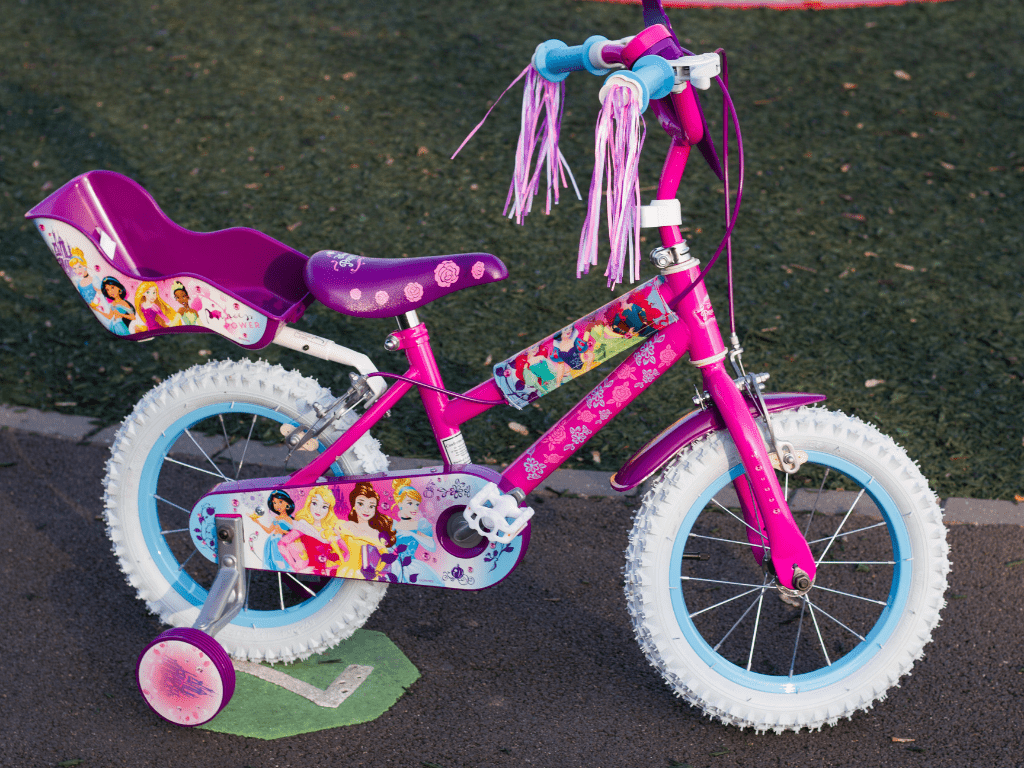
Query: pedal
(495, 515)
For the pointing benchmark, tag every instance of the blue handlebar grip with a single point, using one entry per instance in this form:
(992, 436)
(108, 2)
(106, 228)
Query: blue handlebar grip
(657, 74)
(554, 60)
(652, 74)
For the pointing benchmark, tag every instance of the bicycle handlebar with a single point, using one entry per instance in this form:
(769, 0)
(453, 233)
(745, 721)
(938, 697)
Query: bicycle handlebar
(554, 59)
(652, 76)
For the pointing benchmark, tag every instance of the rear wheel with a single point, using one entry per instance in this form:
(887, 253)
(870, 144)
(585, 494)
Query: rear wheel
(715, 623)
(216, 422)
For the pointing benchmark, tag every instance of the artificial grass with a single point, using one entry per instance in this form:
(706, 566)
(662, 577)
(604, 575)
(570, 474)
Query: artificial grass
(263, 710)
(879, 237)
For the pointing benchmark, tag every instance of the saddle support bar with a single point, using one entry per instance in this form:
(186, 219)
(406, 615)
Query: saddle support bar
(325, 349)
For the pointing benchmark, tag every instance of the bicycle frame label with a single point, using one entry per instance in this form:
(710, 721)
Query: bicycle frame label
(584, 345)
(128, 306)
(389, 527)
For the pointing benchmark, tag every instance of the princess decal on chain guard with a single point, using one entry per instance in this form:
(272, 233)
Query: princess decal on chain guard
(390, 527)
(584, 345)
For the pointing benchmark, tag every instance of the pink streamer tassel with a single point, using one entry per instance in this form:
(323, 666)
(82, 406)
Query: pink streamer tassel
(538, 135)
(618, 141)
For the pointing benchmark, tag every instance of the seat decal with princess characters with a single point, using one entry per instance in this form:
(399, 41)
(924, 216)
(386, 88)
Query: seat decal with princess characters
(143, 275)
(128, 305)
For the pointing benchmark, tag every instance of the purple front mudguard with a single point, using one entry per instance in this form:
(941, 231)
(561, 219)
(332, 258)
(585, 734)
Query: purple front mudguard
(690, 428)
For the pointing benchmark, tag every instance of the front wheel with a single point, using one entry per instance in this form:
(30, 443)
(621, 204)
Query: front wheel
(213, 423)
(715, 623)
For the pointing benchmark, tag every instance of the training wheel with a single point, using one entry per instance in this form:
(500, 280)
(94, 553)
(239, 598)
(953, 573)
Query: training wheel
(185, 676)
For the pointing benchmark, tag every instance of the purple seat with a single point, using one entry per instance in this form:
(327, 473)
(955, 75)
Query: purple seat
(364, 287)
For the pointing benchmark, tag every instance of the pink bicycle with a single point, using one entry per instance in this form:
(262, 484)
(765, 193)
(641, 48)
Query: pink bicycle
(785, 569)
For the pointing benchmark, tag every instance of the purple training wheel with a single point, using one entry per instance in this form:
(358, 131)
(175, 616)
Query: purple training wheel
(185, 676)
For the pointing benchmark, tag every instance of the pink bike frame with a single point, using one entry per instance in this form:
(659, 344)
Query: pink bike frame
(695, 333)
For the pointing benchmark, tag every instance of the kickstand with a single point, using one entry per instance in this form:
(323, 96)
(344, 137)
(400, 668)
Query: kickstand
(227, 595)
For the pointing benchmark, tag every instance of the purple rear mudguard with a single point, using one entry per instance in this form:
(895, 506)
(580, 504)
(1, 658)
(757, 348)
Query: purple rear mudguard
(690, 428)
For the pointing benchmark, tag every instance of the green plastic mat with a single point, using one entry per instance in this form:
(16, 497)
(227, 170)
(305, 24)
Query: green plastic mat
(378, 673)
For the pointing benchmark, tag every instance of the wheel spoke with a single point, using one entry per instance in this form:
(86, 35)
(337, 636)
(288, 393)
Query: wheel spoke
(841, 524)
(850, 594)
(741, 618)
(172, 504)
(185, 562)
(757, 622)
(817, 497)
(218, 474)
(727, 541)
(301, 584)
(860, 562)
(245, 448)
(727, 600)
(796, 645)
(205, 454)
(848, 533)
(719, 581)
(227, 440)
(175, 530)
(818, 630)
(733, 514)
(280, 589)
(837, 621)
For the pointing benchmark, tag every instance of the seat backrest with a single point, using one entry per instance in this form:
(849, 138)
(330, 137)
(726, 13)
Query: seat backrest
(141, 241)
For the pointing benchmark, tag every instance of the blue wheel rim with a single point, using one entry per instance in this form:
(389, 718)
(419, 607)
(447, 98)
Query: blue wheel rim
(168, 564)
(852, 661)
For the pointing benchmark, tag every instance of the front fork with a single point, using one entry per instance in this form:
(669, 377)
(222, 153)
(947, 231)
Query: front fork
(770, 524)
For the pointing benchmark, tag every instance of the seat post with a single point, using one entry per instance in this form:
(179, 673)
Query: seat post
(409, 320)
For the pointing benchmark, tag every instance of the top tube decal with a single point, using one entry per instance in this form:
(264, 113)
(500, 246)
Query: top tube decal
(584, 344)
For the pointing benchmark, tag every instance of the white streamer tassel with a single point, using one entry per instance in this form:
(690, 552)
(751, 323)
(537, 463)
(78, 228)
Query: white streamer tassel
(538, 134)
(618, 141)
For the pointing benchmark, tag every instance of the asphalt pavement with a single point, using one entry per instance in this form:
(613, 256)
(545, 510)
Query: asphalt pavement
(541, 670)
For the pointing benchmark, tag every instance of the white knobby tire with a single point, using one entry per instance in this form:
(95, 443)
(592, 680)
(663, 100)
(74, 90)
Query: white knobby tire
(163, 461)
(726, 640)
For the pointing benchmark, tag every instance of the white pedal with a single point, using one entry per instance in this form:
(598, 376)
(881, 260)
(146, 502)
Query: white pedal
(495, 515)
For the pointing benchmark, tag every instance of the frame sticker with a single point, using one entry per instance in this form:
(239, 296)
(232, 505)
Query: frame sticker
(584, 345)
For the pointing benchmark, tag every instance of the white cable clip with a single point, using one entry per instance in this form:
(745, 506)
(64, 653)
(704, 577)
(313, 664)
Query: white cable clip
(661, 213)
(696, 69)
(495, 515)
